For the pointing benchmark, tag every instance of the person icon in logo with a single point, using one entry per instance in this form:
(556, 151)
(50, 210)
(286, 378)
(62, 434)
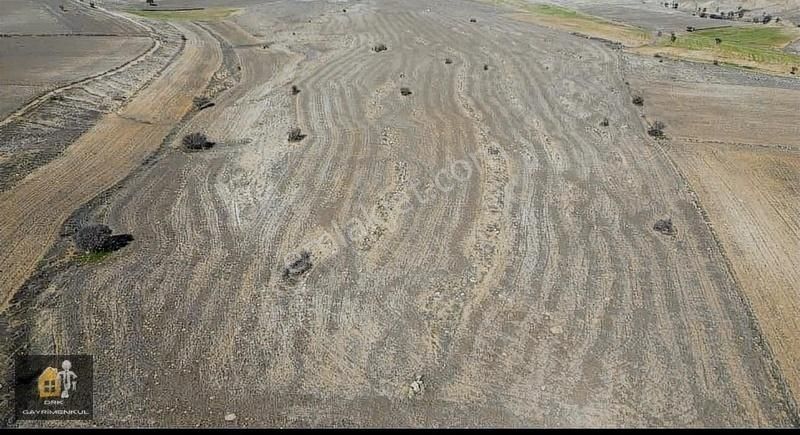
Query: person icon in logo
(67, 378)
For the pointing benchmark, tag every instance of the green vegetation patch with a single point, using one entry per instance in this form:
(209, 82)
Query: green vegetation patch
(207, 14)
(562, 12)
(92, 257)
(758, 44)
(590, 24)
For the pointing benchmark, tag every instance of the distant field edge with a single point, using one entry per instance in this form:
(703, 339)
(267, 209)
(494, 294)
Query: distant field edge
(185, 14)
(757, 48)
(573, 21)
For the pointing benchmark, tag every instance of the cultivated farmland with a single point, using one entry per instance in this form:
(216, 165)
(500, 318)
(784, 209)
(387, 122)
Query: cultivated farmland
(405, 213)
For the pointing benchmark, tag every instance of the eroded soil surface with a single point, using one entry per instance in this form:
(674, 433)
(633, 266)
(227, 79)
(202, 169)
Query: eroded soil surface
(482, 250)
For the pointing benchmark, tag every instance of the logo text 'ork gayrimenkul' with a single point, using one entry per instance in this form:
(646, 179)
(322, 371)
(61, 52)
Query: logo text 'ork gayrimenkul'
(44, 392)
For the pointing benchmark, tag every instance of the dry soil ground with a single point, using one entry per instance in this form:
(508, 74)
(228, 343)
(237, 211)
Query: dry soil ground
(736, 137)
(484, 233)
(35, 64)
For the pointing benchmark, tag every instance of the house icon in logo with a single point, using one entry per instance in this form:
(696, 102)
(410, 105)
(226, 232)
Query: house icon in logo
(49, 383)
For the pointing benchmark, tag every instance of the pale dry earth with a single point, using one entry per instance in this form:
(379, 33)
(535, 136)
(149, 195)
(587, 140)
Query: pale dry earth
(497, 241)
(531, 292)
(736, 137)
(89, 166)
(31, 65)
(45, 17)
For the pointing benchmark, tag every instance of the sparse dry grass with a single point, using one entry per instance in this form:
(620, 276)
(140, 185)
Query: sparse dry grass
(207, 14)
(574, 21)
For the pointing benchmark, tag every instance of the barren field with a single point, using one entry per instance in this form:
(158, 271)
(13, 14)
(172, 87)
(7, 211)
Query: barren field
(481, 246)
(49, 17)
(736, 136)
(44, 63)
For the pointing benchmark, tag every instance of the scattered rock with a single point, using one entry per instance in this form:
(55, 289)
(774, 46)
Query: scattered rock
(555, 330)
(202, 102)
(299, 264)
(417, 387)
(230, 417)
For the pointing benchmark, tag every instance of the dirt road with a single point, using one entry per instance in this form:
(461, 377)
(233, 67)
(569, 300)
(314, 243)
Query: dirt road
(32, 212)
(498, 244)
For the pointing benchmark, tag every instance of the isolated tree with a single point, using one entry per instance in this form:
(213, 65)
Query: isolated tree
(718, 41)
(793, 71)
(92, 238)
(656, 130)
(295, 90)
(673, 37)
(296, 135)
(604, 122)
(404, 91)
(196, 141)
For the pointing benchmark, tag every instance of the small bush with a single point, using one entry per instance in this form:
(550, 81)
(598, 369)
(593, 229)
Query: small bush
(604, 122)
(296, 135)
(98, 238)
(665, 226)
(638, 100)
(299, 264)
(295, 90)
(486, 67)
(196, 141)
(448, 61)
(380, 47)
(92, 238)
(473, 20)
(405, 91)
(793, 71)
(656, 130)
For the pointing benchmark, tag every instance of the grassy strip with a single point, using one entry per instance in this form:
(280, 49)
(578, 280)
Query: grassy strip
(209, 14)
(92, 257)
(574, 21)
(740, 45)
